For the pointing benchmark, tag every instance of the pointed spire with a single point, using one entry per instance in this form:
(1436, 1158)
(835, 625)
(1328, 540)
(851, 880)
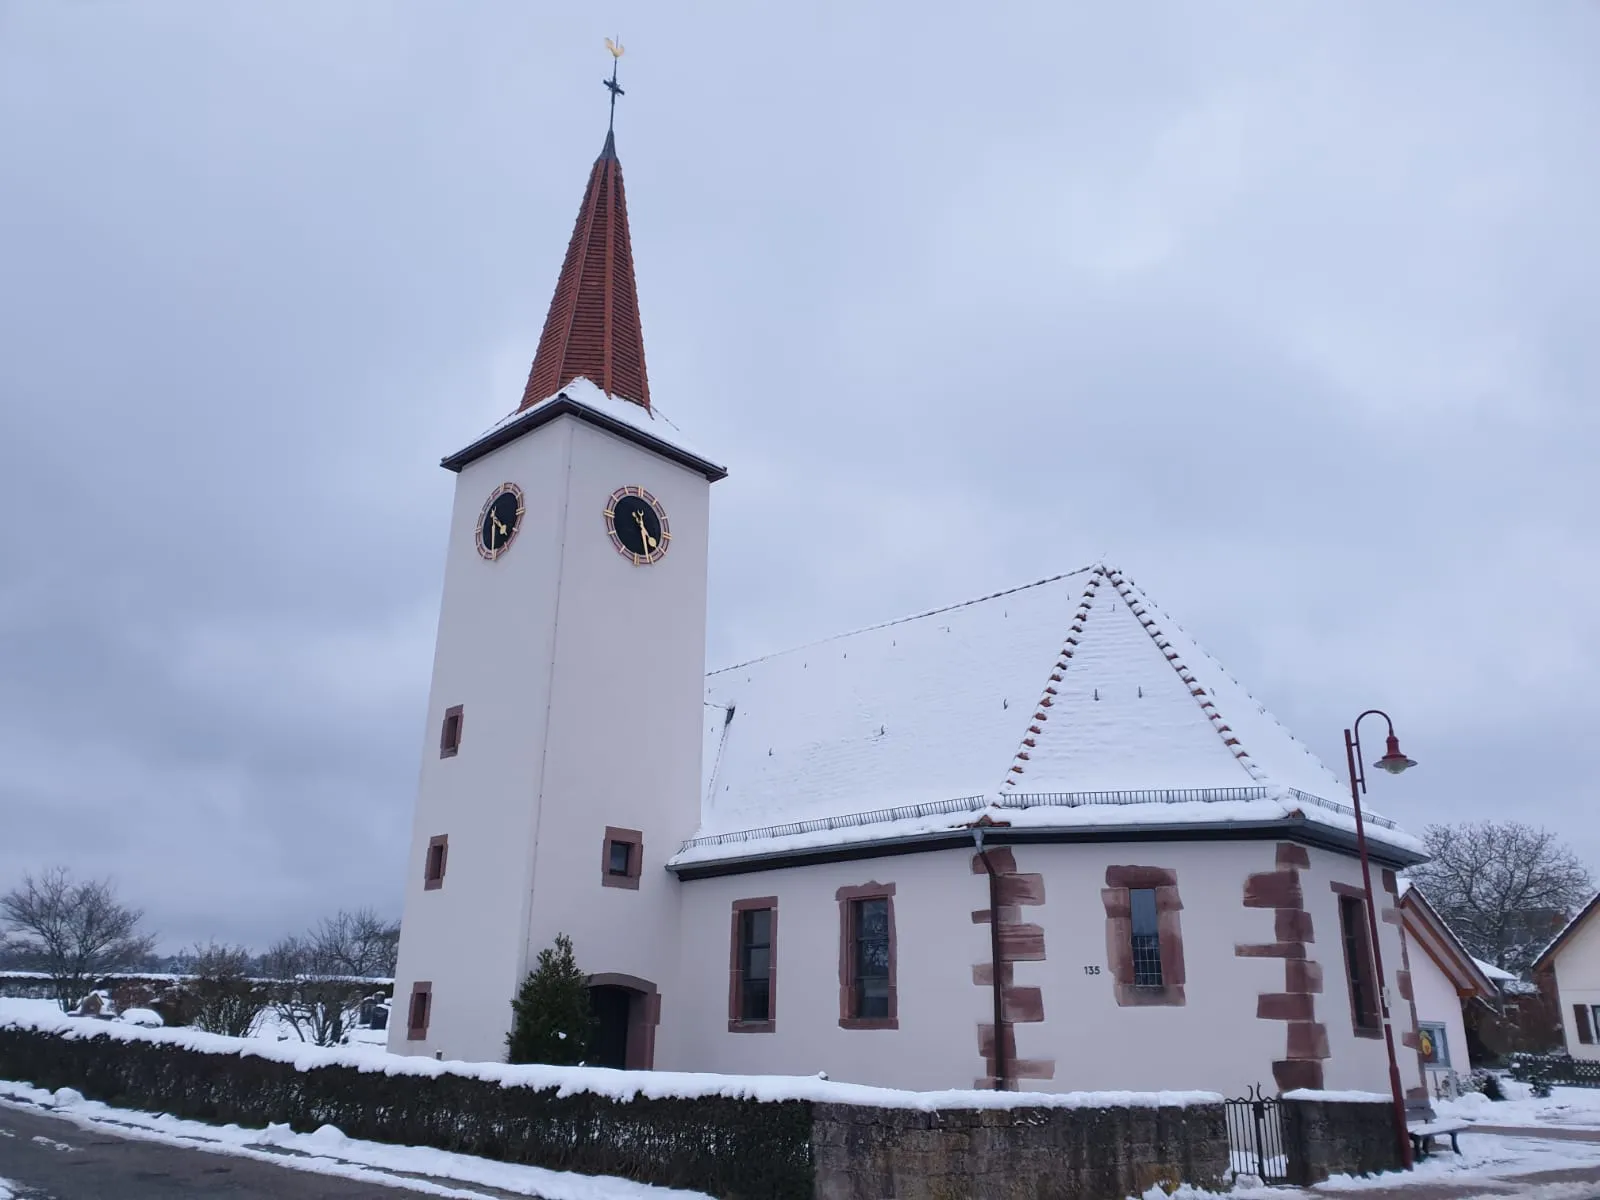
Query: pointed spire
(592, 329)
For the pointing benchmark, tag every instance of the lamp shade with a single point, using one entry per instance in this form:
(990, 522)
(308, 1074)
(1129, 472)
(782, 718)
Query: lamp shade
(1393, 761)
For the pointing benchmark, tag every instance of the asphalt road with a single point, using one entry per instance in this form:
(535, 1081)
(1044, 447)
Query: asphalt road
(49, 1158)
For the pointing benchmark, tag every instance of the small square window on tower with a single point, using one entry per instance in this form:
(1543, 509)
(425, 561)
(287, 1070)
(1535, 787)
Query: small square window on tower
(433, 864)
(621, 858)
(421, 1009)
(450, 732)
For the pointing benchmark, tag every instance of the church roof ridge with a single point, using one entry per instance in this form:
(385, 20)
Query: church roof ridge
(917, 616)
(592, 327)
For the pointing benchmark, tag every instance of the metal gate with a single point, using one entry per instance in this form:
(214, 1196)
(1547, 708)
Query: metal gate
(1255, 1137)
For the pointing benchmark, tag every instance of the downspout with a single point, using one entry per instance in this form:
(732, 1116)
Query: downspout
(1000, 1063)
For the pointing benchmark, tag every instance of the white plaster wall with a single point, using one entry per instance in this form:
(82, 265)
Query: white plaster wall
(625, 716)
(559, 643)
(1356, 1063)
(1437, 1001)
(1577, 967)
(936, 1045)
(1214, 1041)
(495, 622)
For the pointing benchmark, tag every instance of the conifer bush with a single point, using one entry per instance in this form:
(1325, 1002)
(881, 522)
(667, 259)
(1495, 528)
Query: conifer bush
(552, 1019)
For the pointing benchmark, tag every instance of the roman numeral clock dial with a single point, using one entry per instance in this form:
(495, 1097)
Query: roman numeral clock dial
(637, 525)
(499, 521)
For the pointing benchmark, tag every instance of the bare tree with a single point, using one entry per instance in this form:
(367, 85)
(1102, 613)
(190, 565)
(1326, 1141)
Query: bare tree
(356, 943)
(319, 993)
(227, 1000)
(74, 932)
(1505, 888)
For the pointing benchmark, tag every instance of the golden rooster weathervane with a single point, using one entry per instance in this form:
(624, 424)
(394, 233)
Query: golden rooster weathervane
(611, 84)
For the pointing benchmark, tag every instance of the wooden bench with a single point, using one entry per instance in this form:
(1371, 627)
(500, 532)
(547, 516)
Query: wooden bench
(1422, 1135)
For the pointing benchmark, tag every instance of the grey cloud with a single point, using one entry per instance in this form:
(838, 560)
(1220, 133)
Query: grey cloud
(1287, 311)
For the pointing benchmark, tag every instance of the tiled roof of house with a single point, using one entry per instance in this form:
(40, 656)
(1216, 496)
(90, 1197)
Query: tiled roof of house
(1073, 700)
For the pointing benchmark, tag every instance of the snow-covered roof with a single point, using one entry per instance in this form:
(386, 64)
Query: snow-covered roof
(586, 401)
(1073, 700)
(1567, 930)
(1498, 974)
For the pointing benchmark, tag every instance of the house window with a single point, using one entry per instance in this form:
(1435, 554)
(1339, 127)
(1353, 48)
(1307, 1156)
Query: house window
(1358, 965)
(1431, 1044)
(450, 732)
(867, 998)
(433, 865)
(421, 1009)
(1146, 938)
(753, 966)
(621, 858)
(1584, 1018)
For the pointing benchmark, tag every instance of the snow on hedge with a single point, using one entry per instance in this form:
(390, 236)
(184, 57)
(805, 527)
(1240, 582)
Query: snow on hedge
(617, 1085)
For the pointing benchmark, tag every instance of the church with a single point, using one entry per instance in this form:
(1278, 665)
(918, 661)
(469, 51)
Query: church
(1033, 840)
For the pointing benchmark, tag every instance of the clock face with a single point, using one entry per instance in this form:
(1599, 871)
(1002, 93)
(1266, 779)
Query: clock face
(638, 525)
(499, 521)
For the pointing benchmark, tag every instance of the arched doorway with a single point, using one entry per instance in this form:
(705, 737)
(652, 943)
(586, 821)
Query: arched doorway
(627, 1010)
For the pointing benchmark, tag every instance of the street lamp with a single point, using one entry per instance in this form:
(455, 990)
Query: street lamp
(1394, 762)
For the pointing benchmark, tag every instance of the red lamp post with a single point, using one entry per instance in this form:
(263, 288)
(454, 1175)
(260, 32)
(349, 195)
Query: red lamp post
(1394, 762)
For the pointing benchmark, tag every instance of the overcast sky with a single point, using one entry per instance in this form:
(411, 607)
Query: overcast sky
(1290, 310)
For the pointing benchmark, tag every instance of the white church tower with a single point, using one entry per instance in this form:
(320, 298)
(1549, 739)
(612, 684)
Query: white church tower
(561, 764)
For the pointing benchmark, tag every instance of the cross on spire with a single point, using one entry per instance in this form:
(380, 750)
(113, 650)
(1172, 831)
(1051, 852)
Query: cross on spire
(611, 84)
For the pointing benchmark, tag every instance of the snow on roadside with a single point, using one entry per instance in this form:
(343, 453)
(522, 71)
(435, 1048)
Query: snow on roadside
(1483, 1157)
(330, 1152)
(1565, 1108)
(7, 1189)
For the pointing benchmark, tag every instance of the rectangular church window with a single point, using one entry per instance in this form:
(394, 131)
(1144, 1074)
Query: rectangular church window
(620, 853)
(433, 866)
(753, 966)
(621, 858)
(450, 732)
(421, 1009)
(870, 919)
(1146, 938)
(1358, 963)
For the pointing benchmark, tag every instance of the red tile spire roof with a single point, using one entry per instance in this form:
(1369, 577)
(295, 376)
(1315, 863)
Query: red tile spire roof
(592, 329)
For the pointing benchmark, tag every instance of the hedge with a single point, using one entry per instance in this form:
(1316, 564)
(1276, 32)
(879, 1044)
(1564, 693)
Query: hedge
(734, 1148)
(1557, 1069)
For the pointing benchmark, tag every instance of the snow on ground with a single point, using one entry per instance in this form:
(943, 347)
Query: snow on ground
(1565, 1108)
(7, 1189)
(1484, 1157)
(329, 1152)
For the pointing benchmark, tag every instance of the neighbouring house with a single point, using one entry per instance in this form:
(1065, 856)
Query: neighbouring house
(1445, 983)
(1571, 963)
(1036, 840)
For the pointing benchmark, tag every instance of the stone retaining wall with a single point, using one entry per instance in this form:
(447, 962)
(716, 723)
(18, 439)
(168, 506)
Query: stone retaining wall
(1000, 1154)
(1325, 1137)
